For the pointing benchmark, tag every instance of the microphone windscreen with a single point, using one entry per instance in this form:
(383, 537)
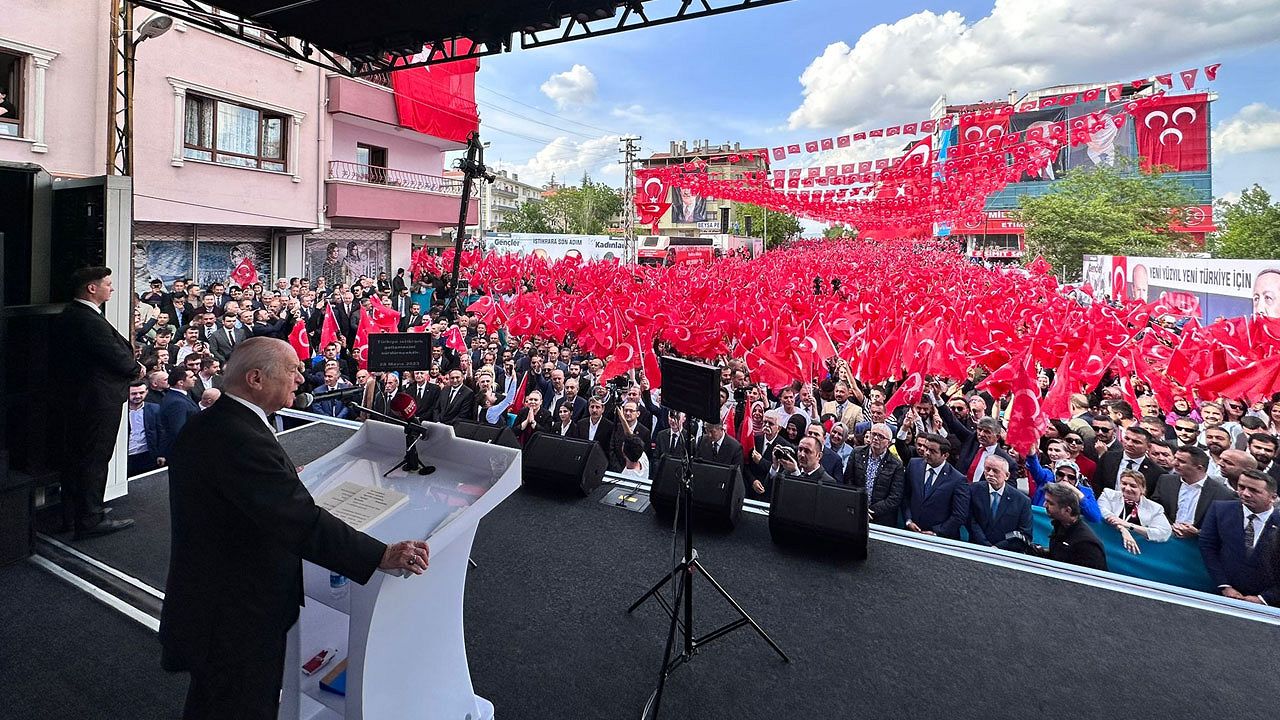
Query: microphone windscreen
(302, 401)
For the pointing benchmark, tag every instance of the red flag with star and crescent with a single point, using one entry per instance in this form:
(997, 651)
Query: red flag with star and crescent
(361, 348)
(300, 341)
(329, 330)
(244, 274)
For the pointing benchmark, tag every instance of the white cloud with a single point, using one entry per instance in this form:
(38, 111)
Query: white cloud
(1256, 128)
(895, 72)
(568, 159)
(575, 87)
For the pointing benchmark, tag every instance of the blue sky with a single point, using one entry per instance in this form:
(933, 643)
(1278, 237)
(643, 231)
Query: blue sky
(808, 69)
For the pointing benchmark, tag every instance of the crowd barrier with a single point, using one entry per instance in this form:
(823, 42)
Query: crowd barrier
(1176, 562)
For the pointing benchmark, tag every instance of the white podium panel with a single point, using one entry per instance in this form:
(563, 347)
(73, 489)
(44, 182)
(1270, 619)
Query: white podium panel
(402, 638)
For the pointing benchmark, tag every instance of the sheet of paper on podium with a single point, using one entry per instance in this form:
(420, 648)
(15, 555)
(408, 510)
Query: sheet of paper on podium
(360, 505)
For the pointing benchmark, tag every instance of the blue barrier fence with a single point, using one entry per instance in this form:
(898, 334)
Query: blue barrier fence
(1175, 562)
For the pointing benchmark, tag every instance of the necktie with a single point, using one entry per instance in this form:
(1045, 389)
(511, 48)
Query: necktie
(928, 481)
(231, 337)
(1249, 532)
(995, 503)
(715, 448)
(453, 394)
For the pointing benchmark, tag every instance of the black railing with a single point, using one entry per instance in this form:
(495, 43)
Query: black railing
(390, 177)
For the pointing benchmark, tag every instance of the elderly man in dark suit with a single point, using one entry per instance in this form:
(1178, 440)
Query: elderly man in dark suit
(1188, 491)
(975, 445)
(96, 390)
(997, 508)
(937, 498)
(880, 472)
(242, 524)
(456, 402)
(1240, 541)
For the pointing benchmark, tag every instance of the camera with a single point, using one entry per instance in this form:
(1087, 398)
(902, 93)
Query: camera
(784, 452)
(740, 395)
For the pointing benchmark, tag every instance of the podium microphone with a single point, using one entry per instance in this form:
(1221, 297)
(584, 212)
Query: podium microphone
(304, 400)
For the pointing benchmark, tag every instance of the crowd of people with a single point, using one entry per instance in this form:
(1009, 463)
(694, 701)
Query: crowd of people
(1203, 469)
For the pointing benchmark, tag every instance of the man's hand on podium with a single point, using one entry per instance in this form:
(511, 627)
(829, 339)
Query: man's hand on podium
(409, 556)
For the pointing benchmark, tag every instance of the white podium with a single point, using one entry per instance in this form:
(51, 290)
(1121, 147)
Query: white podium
(402, 637)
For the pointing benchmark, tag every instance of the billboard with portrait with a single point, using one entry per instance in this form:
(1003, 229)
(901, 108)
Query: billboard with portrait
(1022, 123)
(1206, 289)
(343, 256)
(686, 207)
(221, 248)
(1108, 144)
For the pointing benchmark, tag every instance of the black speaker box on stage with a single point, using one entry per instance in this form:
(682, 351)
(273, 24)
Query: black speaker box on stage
(803, 510)
(559, 463)
(717, 491)
(493, 434)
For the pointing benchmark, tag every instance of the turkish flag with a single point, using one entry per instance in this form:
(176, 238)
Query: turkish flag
(811, 146)
(842, 141)
(1113, 92)
(793, 149)
(453, 340)
(385, 318)
(1165, 79)
(860, 136)
(876, 133)
(828, 144)
(361, 348)
(244, 274)
(779, 153)
(1255, 381)
(329, 331)
(1174, 131)
(1211, 71)
(300, 342)
(1188, 78)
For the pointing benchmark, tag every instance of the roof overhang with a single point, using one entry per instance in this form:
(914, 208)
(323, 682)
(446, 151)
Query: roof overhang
(373, 36)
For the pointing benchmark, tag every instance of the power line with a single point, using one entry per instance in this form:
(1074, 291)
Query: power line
(544, 112)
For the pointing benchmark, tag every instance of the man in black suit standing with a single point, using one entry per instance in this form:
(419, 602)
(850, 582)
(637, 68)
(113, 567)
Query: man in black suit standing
(95, 391)
(577, 404)
(1240, 541)
(937, 498)
(456, 401)
(630, 425)
(242, 524)
(1130, 454)
(595, 427)
(881, 473)
(223, 340)
(1188, 491)
(176, 408)
(717, 447)
(425, 394)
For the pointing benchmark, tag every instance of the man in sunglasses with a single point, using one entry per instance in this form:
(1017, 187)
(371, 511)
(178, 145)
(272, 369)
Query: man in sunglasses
(1131, 455)
(1104, 431)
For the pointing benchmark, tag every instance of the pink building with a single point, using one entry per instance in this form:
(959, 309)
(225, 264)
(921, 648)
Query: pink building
(237, 151)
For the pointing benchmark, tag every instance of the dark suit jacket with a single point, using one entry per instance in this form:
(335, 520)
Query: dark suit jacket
(969, 445)
(617, 461)
(1077, 545)
(668, 443)
(242, 524)
(580, 409)
(945, 508)
(103, 360)
(1229, 563)
(463, 406)
(890, 484)
(760, 470)
(604, 433)
(426, 400)
(198, 389)
(730, 451)
(151, 427)
(1109, 466)
(1012, 513)
(1167, 495)
(541, 423)
(176, 408)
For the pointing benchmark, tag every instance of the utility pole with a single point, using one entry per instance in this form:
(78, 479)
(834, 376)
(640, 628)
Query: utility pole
(120, 89)
(628, 150)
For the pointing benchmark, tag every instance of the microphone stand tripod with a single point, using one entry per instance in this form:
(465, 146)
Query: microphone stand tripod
(413, 432)
(682, 574)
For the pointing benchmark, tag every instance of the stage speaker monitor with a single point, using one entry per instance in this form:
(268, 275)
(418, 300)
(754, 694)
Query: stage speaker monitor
(717, 491)
(554, 462)
(811, 513)
(724, 221)
(691, 388)
(492, 434)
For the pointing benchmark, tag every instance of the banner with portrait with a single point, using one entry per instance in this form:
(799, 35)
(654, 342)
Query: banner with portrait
(1023, 122)
(686, 207)
(161, 250)
(1106, 146)
(221, 248)
(343, 256)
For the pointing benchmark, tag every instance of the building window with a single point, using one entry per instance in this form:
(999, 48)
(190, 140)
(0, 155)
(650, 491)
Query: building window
(10, 95)
(373, 162)
(234, 134)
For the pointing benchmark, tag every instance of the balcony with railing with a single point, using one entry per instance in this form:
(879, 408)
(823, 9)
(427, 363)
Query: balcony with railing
(372, 98)
(368, 192)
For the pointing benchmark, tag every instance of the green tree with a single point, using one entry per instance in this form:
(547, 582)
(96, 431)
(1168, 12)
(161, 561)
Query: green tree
(531, 217)
(840, 231)
(781, 226)
(1105, 211)
(1250, 227)
(583, 210)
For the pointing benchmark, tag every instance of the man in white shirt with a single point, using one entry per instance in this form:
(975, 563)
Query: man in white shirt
(1187, 493)
(1239, 542)
(144, 430)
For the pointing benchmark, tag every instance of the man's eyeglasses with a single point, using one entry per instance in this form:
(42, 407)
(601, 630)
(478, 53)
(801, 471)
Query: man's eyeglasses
(1103, 429)
(1184, 429)
(1066, 476)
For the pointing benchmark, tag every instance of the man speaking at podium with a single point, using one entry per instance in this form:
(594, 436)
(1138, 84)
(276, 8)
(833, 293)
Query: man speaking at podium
(242, 524)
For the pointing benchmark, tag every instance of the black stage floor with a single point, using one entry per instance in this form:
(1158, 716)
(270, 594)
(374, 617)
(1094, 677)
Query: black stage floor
(908, 633)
